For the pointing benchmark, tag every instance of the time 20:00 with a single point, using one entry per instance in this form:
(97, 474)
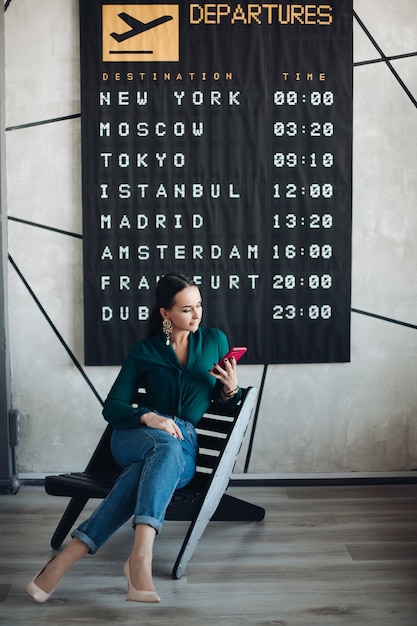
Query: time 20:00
(290, 312)
(289, 281)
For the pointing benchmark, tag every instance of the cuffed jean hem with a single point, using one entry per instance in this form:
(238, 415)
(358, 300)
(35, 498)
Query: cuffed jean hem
(92, 547)
(149, 521)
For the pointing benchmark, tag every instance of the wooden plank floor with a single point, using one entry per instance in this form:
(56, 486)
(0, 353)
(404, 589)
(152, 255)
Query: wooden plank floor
(322, 556)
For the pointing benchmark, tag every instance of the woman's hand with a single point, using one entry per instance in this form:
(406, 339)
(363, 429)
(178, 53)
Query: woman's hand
(227, 375)
(153, 420)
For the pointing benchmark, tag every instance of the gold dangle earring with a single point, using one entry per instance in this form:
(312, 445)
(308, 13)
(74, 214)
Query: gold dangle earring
(167, 328)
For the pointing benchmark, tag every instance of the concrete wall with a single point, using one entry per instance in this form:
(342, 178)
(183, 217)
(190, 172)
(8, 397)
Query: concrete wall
(352, 417)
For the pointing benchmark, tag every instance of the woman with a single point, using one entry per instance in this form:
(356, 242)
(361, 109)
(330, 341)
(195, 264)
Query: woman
(155, 445)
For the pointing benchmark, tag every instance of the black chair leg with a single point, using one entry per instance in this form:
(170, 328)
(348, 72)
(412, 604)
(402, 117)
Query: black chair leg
(233, 509)
(68, 519)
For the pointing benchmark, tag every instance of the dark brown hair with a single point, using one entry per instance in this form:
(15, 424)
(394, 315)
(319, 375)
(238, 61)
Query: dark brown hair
(167, 288)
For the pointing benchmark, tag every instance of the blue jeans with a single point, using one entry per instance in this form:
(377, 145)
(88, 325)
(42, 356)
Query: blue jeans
(154, 465)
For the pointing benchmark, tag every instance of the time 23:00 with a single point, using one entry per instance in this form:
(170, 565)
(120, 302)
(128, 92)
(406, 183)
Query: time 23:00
(290, 312)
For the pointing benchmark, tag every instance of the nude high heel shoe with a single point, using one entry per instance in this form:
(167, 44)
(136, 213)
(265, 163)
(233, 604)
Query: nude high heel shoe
(36, 593)
(134, 594)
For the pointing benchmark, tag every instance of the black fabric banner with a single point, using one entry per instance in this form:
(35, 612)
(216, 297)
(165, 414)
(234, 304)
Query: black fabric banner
(217, 141)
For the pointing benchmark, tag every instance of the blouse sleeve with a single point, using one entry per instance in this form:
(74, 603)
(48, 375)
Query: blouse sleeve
(119, 408)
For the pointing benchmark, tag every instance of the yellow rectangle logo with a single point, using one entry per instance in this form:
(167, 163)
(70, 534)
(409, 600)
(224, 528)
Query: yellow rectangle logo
(140, 32)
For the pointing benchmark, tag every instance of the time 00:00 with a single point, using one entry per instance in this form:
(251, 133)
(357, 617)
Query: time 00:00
(290, 312)
(292, 98)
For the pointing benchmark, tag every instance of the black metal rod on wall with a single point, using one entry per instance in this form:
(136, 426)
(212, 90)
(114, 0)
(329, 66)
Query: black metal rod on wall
(255, 419)
(8, 478)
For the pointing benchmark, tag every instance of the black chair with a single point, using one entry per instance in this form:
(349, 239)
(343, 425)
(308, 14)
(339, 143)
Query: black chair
(220, 435)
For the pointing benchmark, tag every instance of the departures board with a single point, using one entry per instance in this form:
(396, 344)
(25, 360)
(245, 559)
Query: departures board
(217, 141)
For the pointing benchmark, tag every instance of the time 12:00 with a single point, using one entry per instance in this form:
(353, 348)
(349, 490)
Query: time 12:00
(291, 190)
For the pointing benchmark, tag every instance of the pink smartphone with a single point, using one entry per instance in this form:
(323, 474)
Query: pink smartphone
(237, 353)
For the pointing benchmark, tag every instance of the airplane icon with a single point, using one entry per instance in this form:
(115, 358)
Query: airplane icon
(138, 27)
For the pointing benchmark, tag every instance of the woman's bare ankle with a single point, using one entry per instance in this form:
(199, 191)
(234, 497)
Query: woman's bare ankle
(49, 577)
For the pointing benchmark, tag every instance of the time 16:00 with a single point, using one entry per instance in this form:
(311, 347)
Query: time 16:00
(313, 251)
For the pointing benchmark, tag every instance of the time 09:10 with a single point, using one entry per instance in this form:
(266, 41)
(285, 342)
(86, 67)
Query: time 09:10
(291, 159)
